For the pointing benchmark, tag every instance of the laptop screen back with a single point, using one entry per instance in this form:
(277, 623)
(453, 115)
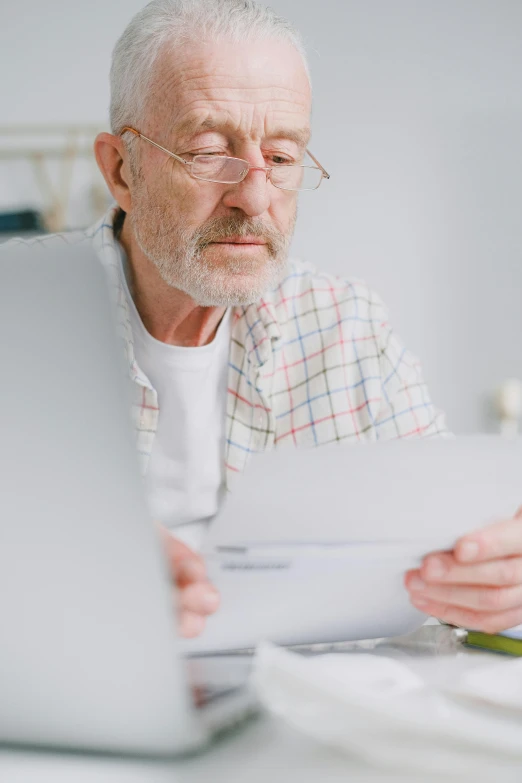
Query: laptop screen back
(87, 638)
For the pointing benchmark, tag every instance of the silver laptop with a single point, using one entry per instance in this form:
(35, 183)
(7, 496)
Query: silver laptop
(89, 657)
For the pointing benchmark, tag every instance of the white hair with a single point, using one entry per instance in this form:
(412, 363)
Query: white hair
(175, 22)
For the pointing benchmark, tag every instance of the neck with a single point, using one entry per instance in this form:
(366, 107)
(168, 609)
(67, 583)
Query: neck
(168, 314)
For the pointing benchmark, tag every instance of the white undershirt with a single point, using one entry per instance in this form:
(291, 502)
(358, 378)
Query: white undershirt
(185, 476)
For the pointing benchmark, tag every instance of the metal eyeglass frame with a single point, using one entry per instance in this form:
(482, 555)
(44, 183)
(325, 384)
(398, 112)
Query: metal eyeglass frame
(248, 166)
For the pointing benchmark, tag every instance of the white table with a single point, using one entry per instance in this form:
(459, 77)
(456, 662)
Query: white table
(263, 750)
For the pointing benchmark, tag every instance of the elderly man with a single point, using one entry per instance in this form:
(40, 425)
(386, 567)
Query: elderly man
(231, 349)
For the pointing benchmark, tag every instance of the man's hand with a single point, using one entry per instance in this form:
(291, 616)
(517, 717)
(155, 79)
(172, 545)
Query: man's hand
(196, 598)
(479, 584)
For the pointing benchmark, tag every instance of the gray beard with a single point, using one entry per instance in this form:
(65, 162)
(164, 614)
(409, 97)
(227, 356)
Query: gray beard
(179, 256)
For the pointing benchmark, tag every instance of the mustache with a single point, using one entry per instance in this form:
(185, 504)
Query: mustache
(218, 229)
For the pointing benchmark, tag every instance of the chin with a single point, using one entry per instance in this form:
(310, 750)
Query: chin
(232, 297)
(236, 282)
(225, 290)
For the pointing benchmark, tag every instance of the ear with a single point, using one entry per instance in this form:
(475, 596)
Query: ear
(112, 160)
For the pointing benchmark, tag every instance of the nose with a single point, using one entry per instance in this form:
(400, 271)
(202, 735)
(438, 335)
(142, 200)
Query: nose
(252, 195)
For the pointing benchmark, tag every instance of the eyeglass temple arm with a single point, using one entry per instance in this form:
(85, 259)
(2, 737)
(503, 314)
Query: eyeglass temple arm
(325, 173)
(172, 154)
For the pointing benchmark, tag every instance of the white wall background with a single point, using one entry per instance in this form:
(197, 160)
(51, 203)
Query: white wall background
(418, 117)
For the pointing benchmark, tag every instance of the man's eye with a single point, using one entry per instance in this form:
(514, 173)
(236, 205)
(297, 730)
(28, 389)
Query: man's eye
(280, 160)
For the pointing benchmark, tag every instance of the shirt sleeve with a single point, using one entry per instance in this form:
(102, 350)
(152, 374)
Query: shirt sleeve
(406, 408)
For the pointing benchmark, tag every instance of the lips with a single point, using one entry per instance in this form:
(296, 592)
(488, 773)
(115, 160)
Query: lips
(239, 241)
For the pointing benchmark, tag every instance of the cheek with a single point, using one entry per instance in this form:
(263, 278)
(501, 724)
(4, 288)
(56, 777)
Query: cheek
(283, 207)
(194, 202)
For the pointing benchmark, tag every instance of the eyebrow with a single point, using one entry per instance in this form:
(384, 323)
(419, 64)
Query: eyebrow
(301, 136)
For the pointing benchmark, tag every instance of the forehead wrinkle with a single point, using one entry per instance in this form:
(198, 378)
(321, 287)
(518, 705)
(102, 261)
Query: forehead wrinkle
(206, 113)
(178, 77)
(198, 116)
(256, 71)
(176, 89)
(185, 83)
(245, 94)
(195, 125)
(181, 72)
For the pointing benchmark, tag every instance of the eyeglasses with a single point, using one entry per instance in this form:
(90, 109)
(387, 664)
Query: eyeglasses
(231, 171)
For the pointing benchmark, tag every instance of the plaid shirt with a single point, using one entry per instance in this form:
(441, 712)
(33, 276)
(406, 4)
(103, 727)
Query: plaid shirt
(314, 361)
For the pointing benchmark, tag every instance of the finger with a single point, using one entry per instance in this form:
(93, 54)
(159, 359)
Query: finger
(190, 571)
(200, 598)
(499, 540)
(485, 599)
(191, 625)
(186, 566)
(444, 568)
(470, 618)
(176, 550)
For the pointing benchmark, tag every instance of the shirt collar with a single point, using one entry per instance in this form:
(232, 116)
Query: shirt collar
(107, 249)
(255, 326)
(260, 330)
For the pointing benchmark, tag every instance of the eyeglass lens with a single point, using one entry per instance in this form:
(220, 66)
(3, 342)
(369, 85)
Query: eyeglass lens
(232, 170)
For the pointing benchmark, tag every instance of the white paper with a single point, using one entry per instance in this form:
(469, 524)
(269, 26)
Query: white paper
(301, 596)
(513, 633)
(312, 545)
(413, 490)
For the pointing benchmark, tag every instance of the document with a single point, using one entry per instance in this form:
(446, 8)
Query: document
(312, 545)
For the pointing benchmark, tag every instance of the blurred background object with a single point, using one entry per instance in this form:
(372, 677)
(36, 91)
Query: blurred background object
(55, 155)
(509, 407)
(418, 118)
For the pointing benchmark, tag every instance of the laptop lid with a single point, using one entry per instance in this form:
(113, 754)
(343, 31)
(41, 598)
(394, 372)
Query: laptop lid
(87, 638)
